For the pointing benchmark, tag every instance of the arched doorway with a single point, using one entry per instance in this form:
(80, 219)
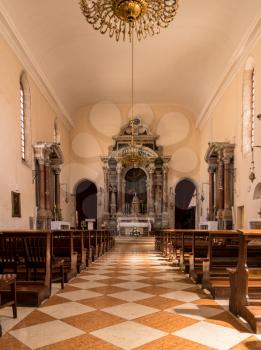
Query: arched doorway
(136, 183)
(185, 204)
(86, 201)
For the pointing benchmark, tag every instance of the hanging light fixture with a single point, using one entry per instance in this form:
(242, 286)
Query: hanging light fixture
(134, 154)
(120, 18)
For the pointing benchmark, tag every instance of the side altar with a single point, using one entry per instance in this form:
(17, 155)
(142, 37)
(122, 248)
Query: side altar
(135, 195)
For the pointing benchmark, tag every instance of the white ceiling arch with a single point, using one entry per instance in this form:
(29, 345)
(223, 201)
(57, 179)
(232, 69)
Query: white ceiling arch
(181, 65)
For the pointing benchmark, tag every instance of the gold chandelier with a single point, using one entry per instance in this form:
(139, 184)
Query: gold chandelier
(121, 17)
(134, 154)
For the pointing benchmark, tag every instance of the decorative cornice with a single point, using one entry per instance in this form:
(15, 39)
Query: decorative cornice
(10, 33)
(240, 55)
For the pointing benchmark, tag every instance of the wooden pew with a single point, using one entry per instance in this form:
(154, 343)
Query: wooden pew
(222, 253)
(164, 242)
(63, 247)
(159, 241)
(94, 245)
(186, 246)
(245, 297)
(199, 251)
(29, 293)
(8, 281)
(81, 249)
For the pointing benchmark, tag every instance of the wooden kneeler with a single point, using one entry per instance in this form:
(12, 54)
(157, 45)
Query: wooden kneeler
(8, 281)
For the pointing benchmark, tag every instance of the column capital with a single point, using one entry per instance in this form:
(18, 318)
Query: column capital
(105, 168)
(165, 168)
(212, 168)
(228, 154)
(119, 168)
(57, 170)
(151, 168)
(220, 156)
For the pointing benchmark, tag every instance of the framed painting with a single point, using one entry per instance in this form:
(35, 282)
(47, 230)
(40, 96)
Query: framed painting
(16, 204)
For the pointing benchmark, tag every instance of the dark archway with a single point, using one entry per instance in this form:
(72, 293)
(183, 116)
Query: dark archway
(136, 182)
(185, 205)
(86, 201)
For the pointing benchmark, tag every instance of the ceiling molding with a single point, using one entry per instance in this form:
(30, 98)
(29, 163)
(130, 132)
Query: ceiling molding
(10, 33)
(240, 55)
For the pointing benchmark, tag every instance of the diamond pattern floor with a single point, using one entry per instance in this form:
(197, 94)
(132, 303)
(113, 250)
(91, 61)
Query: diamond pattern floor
(131, 298)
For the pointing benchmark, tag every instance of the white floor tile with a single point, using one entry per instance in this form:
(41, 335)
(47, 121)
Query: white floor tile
(60, 311)
(131, 277)
(181, 295)
(132, 271)
(7, 320)
(218, 337)
(131, 285)
(131, 295)
(128, 335)
(162, 267)
(197, 312)
(79, 295)
(99, 272)
(176, 285)
(95, 277)
(130, 311)
(88, 285)
(45, 333)
(170, 276)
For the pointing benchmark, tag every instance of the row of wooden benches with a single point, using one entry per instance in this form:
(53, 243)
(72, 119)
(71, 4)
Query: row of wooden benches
(225, 262)
(38, 258)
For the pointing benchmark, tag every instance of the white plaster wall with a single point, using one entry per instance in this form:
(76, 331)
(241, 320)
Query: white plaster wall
(14, 175)
(225, 124)
(95, 126)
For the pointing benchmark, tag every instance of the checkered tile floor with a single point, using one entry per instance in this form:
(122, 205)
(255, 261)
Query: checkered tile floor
(131, 298)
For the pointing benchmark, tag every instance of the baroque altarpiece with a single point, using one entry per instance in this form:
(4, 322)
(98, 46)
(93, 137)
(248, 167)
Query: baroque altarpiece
(220, 159)
(136, 195)
(48, 159)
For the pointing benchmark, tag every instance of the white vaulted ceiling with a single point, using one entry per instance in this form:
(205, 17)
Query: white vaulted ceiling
(182, 65)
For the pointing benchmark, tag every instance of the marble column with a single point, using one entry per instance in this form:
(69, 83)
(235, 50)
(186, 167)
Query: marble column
(151, 189)
(165, 214)
(57, 185)
(211, 172)
(220, 189)
(47, 189)
(106, 190)
(113, 201)
(41, 187)
(165, 187)
(119, 189)
(228, 177)
(123, 204)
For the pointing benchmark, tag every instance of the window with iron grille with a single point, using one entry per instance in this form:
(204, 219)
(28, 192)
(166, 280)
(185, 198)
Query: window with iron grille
(248, 120)
(22, 121)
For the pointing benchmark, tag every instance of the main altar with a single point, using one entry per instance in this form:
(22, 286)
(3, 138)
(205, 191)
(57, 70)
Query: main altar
(135, 196)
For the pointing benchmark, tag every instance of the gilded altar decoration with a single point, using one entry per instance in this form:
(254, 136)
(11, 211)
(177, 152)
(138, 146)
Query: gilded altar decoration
(132, 188)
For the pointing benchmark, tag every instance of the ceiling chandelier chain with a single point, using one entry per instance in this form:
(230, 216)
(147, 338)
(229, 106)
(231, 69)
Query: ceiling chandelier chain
(120, 17)
(133, 154)
(123, 18)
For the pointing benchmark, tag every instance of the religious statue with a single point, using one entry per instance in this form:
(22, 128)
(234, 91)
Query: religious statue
(135, 204)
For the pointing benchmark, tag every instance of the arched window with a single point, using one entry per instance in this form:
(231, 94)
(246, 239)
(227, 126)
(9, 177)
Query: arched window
(22, 120)
(25, 120)
(248, 107)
